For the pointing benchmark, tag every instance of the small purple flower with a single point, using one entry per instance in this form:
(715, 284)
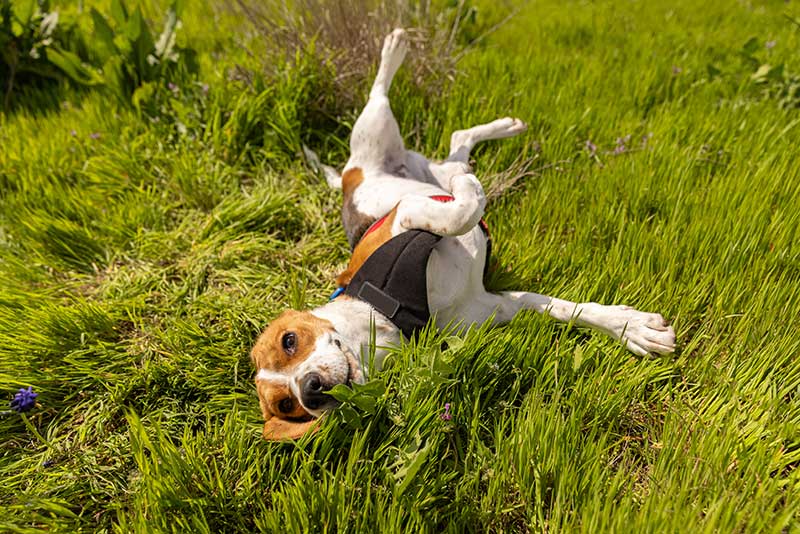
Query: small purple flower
(446, 415)
(73, 133)
(24, 400)
(204, 88)
(676, 70)
(620, 148)
(591, 147)
(646, 138)
(771, 44)
(94, 135)
(172, 87)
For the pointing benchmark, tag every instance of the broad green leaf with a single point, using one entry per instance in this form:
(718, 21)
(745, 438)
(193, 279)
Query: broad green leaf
(134, 25)
(71, 65)
(119, 11)
(442, 367)
(375, 388)
(365, 403)
(341, 393)
(142, 48)
(351, 417)
(24, 10)
(407, 473)
(103, 32)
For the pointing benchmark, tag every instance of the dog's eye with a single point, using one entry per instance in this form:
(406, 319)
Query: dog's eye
(286, 405)
(289, 343)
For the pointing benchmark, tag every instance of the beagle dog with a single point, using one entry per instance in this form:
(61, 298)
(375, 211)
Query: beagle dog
(389, 191)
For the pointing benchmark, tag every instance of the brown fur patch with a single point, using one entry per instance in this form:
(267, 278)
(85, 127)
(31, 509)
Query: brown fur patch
(368, 244)
(351, 179)
(355, 223)
(279, 429)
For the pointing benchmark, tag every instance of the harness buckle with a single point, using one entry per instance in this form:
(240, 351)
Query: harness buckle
(379, 300)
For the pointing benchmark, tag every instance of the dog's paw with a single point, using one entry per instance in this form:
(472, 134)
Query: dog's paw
(395, 46)
(642, 333)
(507, 127)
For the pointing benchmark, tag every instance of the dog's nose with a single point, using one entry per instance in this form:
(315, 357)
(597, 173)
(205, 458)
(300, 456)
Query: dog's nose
(313, 389)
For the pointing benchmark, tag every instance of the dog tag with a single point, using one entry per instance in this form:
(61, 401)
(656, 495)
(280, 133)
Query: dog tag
(378, 299)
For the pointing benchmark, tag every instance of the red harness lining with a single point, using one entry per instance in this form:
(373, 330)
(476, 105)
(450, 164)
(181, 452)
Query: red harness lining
(439, 198)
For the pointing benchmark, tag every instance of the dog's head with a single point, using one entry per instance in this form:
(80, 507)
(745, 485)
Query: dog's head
(299, 357)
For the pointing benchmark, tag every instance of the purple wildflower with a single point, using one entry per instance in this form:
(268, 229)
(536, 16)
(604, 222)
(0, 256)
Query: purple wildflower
(591, 147)
(95, 135)
(24, 400)
(446, 415)
(676, 70)
(620, 148)
(646, 138)
(204, 88)
(73, 133)
(172, 87)
(771, 44)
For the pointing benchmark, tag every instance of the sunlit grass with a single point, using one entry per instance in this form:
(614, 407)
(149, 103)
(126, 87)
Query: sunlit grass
(138, 266)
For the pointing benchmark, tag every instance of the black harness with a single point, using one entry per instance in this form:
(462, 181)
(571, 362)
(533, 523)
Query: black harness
(393, 280)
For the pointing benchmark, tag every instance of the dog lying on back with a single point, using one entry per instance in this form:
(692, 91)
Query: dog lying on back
(419, 251)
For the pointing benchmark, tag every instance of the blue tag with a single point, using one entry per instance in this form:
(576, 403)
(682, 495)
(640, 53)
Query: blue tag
(339, 291)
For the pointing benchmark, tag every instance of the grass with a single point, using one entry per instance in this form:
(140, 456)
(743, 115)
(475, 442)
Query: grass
(137, 267)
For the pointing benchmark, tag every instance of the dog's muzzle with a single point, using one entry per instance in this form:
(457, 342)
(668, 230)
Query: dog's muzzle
(313, 393)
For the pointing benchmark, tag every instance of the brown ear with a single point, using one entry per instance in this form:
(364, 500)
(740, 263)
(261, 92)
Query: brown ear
(276, 429)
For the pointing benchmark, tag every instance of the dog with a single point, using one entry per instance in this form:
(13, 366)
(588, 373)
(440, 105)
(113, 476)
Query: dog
(391, 193)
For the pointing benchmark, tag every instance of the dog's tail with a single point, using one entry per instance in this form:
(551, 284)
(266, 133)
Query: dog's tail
(331, 175)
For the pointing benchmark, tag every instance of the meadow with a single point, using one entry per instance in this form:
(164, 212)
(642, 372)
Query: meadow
(144, 247)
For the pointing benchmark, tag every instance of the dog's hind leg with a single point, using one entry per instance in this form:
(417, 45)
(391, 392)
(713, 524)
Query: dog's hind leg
(463, 141)
(376, 139)
(639, 332)
(461, 144)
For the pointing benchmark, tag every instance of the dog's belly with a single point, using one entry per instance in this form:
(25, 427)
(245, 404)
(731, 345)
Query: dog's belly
(455, 276)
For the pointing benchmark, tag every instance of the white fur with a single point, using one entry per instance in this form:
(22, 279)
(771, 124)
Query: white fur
(268, 375)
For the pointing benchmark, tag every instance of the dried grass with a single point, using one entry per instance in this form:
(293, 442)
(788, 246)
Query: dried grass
(345, 37)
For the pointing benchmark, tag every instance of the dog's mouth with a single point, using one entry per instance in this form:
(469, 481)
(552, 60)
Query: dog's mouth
(341, 367)
(354, 371)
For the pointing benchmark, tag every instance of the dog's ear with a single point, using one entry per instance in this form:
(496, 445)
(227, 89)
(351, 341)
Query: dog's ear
(276, 429)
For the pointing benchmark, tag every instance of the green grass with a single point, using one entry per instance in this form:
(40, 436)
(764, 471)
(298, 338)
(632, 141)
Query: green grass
(137, 268)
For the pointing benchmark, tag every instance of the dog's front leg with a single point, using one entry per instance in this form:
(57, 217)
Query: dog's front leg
(453, 218)
(640, 332)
